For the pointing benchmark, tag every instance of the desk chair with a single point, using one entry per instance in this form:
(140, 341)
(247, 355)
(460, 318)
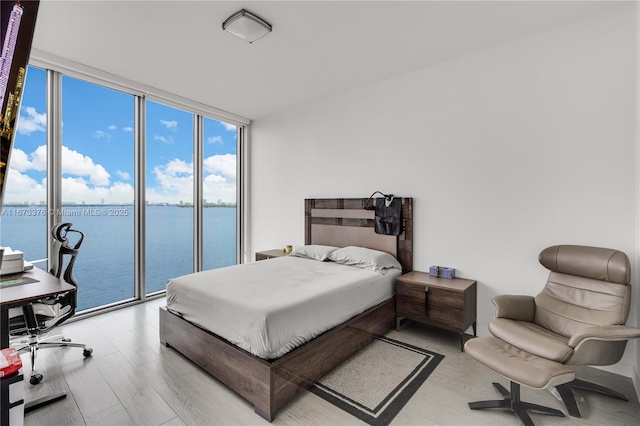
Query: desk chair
(36, 319)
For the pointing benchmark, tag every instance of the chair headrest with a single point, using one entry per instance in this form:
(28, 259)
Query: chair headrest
(590, 262)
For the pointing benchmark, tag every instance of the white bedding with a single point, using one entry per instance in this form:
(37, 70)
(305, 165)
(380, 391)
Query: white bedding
(270, 307)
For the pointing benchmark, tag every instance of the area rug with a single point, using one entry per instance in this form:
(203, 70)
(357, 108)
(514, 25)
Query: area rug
(374, 384)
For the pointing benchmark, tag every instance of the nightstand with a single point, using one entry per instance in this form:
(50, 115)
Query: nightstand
(269, 254)
(441, 302)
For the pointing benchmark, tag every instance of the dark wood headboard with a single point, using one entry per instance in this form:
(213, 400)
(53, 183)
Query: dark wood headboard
(344, 222)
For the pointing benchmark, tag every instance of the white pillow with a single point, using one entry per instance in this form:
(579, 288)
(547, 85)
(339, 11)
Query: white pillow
(365, 258)
(313, 251)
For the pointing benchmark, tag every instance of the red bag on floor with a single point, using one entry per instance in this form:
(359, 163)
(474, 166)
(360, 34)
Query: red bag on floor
(10, 362)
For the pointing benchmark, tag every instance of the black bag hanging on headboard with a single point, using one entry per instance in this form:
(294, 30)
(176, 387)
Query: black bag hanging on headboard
(388, 216)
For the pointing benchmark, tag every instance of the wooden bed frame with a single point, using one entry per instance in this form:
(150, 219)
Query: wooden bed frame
(270, 384)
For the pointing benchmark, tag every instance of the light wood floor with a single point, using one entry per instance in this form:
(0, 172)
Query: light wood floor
(133, 380)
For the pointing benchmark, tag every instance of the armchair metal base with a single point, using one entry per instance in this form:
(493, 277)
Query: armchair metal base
(582, 384)
(512, 402)
(566, 393)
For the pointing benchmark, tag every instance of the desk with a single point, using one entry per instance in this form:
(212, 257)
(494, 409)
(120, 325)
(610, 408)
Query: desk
(16, 296)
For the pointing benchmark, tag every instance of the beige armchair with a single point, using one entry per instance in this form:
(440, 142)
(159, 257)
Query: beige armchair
(578, 318)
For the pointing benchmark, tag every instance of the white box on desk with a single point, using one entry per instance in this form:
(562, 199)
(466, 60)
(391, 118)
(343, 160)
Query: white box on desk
(10, 254)
(12, 266)
(12, 262)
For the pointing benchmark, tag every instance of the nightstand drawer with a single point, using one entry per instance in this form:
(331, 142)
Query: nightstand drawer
(410, 300)
(433, 305)
(445, 307)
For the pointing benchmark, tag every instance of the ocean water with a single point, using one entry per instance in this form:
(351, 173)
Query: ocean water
(104, 267)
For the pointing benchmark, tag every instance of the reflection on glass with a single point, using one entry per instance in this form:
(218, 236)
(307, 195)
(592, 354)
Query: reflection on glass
(16, 34)
(24, 216)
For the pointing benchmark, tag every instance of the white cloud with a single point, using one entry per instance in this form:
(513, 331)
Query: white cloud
(78, 190)
(215, 139)
(121, 193)
(112, 127)
(175, 183)
(175, 180)
(19, 160)
(39, 158)
(32, 121)
(23, 162)
(128, 129)
(75, 163)
(228, 127)
(170, 124)
(177, 166)
(100, 134)
(221, 165)
(21, 187)
(84, 181)
(220, 178)
(163, 139)
(123, 175)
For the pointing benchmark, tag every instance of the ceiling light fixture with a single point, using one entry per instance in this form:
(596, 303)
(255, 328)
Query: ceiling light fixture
(247, 26)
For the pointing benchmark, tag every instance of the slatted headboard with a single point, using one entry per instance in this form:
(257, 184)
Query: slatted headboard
(344, 222)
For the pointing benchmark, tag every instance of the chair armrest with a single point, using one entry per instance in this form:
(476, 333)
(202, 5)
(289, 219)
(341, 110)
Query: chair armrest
(605, 332)
(515, 307)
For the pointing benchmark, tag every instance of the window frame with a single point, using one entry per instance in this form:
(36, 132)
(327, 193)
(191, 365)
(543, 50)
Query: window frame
(55, 68)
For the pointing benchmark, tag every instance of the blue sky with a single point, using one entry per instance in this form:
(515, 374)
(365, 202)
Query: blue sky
(97, 157)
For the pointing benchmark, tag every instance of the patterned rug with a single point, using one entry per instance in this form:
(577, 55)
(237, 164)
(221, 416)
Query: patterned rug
(374, 384)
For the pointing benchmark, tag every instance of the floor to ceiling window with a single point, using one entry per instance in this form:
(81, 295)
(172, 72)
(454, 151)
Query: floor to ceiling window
(97, 188)
(219, 189)
(23, 225)
(100, 131)
(169, 194)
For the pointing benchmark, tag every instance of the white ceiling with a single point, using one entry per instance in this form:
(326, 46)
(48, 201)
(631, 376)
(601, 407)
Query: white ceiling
(316, 49)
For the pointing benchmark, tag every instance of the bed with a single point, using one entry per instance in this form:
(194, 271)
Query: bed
(278, 374)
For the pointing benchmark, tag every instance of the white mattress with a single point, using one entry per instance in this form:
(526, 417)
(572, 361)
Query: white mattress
(270, 307)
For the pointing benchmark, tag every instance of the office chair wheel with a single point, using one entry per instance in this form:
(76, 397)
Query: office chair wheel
(35, 379)
(87, 352)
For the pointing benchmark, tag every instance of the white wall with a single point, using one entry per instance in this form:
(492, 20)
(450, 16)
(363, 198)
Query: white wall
(505, 151)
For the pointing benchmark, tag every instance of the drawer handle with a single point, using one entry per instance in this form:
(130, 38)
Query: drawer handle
(426, 302)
